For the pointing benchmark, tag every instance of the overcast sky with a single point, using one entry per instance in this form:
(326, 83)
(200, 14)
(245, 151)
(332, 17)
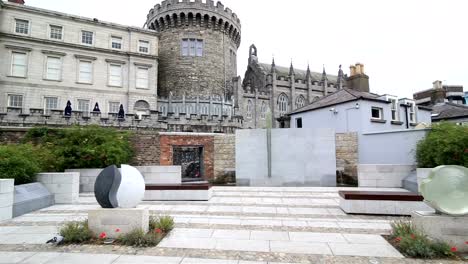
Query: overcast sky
(404, 44)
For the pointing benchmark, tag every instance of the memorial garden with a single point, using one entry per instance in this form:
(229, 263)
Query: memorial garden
(68, 197)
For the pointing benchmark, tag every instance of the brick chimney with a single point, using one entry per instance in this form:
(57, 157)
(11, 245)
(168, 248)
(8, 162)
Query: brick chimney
(20, 2)
(438, 93)
(358, 80)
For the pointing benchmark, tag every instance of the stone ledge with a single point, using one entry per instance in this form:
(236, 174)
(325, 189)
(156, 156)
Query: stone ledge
(127, 220)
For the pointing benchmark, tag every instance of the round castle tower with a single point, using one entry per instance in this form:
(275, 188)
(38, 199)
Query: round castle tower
(198, 45)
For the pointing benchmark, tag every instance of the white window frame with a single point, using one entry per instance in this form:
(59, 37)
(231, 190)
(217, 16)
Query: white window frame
(140, 46)
(48, 109)
(16, 19)
(26, 65)
(394, 107)
(380, 109)
(138, 68)
(263, 110)
(192, 47)
(93, 36)
(9, 98)
(50, 32)
(110, 108)
(79, 71)
(109, 74)
(78, 101)
(412, 112)
(112, 42)
(46, 66)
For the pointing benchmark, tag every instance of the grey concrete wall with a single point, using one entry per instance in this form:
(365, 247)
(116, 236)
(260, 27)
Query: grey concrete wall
(6, 198)
(391, 147)
(64, 186)
(383, 176)
(300, 157)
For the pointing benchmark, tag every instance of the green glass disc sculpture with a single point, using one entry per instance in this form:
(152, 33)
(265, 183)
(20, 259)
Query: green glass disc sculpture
(446, 190)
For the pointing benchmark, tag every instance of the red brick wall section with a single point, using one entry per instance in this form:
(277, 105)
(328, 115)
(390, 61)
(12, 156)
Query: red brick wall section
(168, 141)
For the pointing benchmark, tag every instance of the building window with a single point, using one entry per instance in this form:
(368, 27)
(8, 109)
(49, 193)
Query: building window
(143, 46)
(394, 109)
(87, 37)
(263, 110)
(114, 107)
(249, 109)
(412, 113)
(85, 74)
(142, 78)
(115, 75)
(22, 26)
(192, 47)
(299, 122)
(18, 64)
(56, 32)
(283, 104)
(50, 103)
(53, 68)
(83, 106)
(15, 100)
(377, 113)
(116, 42)
(300, 102)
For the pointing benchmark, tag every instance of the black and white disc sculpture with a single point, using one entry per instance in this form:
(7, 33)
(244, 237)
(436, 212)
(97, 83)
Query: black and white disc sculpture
(124, 188)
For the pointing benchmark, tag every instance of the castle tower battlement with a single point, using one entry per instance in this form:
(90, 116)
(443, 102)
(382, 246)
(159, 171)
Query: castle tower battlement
(173, 13)
(198, 45)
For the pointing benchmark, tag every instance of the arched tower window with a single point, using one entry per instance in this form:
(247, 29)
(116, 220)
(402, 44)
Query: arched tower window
(300, 102)
(263, 110)
(141, 108)
(283, 104)
(249, 109)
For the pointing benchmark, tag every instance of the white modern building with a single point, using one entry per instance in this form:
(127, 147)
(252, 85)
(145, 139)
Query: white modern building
(49, 58)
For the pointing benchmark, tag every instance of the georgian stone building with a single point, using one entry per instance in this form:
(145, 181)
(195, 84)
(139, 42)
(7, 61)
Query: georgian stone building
(280, 90)
(50, 58)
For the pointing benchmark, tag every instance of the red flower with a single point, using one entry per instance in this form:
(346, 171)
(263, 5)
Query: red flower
(454, 249)
(413, 236)
(398, 239)
(102, 235)
(466, 242)
(157, 230)
(117, 230)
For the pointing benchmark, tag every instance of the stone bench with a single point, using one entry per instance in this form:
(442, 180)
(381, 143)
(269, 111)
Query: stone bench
(381, 203)
(178, 192)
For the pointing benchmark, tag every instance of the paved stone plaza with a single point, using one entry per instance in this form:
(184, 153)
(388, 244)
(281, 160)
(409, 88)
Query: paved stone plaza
(238, 225)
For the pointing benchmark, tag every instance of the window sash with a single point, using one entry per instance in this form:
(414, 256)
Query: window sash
(15, 100)
(378, 111)
(199, 48)
(185, 47)
(116, 43)
(192, 48)
(143, 46)
(51, 103)
(54, 68)
(18, 64)
(142, 78)
(87, 37)
(114, 107)
(83, 105)
(85, 72)
(22, 26)
(56, 32)
(115, 75)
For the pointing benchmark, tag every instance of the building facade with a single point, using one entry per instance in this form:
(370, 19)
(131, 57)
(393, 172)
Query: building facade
(109, 74)
(276, 90)
(52, 58)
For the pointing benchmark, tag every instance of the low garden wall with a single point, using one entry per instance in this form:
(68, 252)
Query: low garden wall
(6, 198)
(64, 186)
(383, 175)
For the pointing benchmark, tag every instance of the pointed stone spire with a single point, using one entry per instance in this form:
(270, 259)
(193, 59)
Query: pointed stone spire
(291, 70)
(273, 65)
(308, 74)
(324, 74)
(340, 78)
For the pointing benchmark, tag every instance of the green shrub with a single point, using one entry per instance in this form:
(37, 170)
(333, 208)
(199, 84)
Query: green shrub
(76, 232)
(20, 162)
(445, 144)
(414, 243)
(83, 147)
(164, 223)
(138, 238)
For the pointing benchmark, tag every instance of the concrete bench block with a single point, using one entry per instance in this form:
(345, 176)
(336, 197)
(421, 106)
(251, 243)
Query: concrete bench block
(109, 220)
(31, 197)
(376, 207)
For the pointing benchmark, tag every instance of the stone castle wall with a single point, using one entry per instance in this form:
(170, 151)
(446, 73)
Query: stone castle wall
(347, 155)
(225, 154)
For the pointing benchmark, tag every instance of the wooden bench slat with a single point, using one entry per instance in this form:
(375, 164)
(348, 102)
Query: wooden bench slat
(381, 196)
